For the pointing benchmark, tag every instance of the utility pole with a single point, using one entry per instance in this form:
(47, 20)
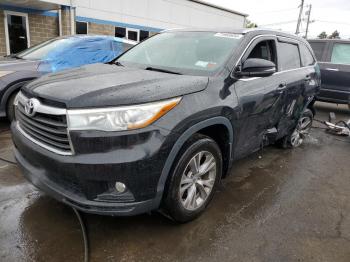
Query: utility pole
(308, 20)
(299, 18)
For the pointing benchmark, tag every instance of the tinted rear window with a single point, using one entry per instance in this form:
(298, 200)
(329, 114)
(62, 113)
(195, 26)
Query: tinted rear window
(289, 56)
(318, 48)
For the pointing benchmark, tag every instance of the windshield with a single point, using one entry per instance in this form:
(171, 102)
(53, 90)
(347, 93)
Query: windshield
(183, 52)
(41, 51)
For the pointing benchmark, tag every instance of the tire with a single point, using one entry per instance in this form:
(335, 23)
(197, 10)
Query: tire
(10, 109)
(176, 203)
(296, 137)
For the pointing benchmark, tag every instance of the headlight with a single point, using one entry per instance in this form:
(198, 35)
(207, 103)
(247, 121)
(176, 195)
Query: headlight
(119, 118)
(3, 73)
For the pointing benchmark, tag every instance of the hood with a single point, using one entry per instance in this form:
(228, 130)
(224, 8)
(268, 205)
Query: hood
(102, 85)
(13, 64)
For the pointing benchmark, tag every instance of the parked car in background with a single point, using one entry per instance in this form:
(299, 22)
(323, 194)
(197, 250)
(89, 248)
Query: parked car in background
(160, 126)
(52, 56)
(333, 56)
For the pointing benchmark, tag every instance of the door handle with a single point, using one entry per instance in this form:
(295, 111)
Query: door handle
(332, 69)
(282, 86)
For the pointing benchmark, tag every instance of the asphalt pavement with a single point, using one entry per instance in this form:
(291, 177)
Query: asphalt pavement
(278, 205)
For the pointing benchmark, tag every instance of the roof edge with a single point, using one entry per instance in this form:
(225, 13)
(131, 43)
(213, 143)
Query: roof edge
(219, 7)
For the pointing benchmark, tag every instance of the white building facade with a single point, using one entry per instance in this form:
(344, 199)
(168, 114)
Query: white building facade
(27, 22)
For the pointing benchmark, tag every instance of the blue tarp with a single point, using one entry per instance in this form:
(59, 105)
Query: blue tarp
(81, 50)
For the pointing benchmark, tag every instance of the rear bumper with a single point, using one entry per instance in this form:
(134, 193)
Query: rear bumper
(334, 96)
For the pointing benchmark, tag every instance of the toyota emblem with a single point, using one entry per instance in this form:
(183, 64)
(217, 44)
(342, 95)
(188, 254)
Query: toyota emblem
(31, 106)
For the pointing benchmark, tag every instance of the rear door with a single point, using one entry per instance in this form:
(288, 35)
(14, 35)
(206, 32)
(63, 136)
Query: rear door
(293, 77)
(312, 79)
(336, 73)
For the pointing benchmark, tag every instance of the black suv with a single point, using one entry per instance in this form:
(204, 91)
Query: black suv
(161, 125)
(334, 59)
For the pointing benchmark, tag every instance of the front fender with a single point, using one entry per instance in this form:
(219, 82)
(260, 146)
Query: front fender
(10, 89)
(181, 141)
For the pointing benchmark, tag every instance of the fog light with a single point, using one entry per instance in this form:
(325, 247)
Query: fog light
(120, 187)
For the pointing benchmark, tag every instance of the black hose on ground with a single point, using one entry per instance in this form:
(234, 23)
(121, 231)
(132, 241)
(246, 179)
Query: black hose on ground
(81, 222)
(85, 236)
(8, 161)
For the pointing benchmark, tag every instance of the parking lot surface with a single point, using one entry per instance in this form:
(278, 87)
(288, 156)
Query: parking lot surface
(278, 205)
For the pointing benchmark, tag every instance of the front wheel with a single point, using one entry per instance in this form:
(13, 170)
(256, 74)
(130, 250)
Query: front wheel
(296, 138)
(194, 179)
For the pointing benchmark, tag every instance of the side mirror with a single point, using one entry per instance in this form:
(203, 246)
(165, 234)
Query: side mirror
(256, 67)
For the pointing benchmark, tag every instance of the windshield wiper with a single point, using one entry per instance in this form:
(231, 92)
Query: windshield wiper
(118, 63)
(162, 70)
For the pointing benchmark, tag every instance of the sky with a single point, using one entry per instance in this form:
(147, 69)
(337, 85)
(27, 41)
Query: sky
(328, 15)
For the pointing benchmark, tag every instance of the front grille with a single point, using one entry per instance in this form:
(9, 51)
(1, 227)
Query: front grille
(46, 129)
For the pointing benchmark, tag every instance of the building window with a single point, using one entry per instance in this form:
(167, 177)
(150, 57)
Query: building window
(81, 28)
(143, 35)
(120, 32)
(133, 35)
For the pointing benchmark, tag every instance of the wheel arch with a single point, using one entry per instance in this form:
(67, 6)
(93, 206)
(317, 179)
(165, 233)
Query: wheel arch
(10, 89)
(310, 105)
(203, 125)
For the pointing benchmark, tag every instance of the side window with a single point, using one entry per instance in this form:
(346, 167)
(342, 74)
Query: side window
(133, 35)
(289, 56)
(120, 32)
(81, 28)
(306, 57)
(341, 54)
(319, 48)
(264, 50)
(143, 35)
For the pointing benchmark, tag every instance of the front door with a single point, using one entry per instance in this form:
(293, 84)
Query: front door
(259, 99)
(16, 29)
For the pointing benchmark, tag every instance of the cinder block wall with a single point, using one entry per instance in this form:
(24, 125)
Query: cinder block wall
(2, 34)
(66, 22)
(42, 28)
(98, 29)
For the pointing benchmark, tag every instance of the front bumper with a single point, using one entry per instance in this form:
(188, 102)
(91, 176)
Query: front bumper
(86, 181)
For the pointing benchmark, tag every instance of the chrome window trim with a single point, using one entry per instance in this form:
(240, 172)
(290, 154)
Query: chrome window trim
(279, 72)
(45, 110)
(249, 44)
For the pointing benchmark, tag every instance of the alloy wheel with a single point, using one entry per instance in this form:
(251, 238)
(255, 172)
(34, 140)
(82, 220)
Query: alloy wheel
(302, 129)
(197, 180)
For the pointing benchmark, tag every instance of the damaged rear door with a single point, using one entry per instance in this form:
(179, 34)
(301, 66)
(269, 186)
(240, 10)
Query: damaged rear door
(295, 78)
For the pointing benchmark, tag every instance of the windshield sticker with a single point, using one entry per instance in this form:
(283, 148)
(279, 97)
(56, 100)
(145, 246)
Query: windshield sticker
(229, 35)
(202, 63)
(205, 64)
(211, 65)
